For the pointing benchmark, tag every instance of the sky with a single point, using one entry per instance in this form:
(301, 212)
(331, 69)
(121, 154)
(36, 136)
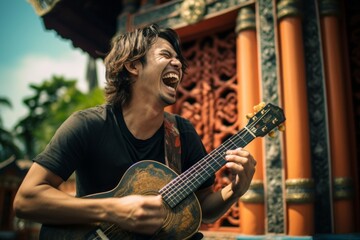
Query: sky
(29, 53)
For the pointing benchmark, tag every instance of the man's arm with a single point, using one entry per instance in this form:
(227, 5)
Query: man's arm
(39, 199)
(215, 204)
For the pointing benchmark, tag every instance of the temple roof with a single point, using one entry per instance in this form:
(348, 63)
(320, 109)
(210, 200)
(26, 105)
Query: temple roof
(89, 24)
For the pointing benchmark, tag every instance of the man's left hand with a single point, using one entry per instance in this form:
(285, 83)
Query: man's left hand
(242, 164)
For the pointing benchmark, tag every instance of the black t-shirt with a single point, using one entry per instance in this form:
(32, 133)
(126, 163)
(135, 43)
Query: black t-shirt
(97, 144)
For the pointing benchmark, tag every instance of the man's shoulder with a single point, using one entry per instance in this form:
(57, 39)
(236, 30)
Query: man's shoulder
(183, 123)
(99, 112)
(91, 118)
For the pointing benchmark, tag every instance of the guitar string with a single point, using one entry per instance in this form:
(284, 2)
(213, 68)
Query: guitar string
(194, 171)
(169, 191)
(195, 174)
(210, 160)
(221, 149)
(112, 229)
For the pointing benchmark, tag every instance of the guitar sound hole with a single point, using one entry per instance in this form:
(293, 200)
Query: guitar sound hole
(170, 216)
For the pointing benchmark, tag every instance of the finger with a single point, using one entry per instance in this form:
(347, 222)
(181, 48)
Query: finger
(234, 167)
(245, 158)
(153, 202)
(237, 159)
(155, 207)
(239, 165)
(236, 151)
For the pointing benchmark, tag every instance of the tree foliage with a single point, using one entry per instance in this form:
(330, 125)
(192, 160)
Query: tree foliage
(53, 101)
(8, 146)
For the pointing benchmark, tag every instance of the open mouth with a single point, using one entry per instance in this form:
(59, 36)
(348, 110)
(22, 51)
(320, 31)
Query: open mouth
(171, 80)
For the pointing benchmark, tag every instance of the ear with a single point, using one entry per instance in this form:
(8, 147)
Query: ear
(132, 67)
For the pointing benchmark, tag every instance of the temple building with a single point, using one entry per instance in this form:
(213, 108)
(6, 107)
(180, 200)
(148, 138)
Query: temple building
(300, 55)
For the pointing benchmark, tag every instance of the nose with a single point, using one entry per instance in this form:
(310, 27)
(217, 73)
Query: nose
(176, 63)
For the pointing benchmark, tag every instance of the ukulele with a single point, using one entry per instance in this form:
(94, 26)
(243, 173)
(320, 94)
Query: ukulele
(148, 177)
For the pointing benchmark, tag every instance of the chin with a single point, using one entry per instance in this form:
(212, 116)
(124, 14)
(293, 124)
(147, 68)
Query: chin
(168, 101)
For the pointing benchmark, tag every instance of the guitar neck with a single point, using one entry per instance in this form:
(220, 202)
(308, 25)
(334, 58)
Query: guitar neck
(190, 180)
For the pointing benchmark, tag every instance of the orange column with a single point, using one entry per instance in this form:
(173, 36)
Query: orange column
(338, 118)
(252, 203)
(299, 207)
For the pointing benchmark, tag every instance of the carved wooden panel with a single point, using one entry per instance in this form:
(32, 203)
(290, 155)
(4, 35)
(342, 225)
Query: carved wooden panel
(208, 98)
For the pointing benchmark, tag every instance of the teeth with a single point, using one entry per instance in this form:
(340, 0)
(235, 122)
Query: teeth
(171, 80)
(173, 77)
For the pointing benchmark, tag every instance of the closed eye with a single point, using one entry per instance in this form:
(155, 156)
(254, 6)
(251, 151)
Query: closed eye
(167, 54)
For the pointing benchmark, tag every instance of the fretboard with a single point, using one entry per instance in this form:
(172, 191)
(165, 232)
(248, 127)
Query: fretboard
(190, 180)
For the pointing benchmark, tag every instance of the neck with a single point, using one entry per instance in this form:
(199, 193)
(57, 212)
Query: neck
(142, 120)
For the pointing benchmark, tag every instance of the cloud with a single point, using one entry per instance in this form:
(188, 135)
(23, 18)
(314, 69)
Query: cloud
(34, 68)
(37, 68)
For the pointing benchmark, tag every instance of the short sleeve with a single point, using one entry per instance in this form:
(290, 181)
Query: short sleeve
(69, 145)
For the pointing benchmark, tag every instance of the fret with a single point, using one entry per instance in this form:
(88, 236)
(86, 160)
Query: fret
(180, 187)
(209, 164)
(178, 193)
(259, 125)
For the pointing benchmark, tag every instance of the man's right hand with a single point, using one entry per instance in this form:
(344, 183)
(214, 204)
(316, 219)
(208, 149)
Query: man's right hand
(138, 214)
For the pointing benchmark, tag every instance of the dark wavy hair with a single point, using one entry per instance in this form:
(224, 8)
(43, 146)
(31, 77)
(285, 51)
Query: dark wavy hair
(129, 47)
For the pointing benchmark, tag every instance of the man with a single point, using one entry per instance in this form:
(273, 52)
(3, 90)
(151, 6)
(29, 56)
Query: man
(143, 70)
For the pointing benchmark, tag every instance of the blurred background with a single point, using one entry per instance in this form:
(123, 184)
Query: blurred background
(302, 55)
(43, 79)
(37, 68)
(30, 54)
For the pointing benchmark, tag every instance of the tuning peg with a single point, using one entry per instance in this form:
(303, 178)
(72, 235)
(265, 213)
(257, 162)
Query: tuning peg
(272, 134)
(249, 115)
(258, 107)
(281, 127)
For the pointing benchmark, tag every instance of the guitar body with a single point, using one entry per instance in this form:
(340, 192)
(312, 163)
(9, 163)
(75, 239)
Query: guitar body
(143, 178)
(153, 178)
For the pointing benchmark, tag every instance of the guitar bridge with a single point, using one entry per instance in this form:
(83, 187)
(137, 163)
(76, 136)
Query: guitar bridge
(97, 234)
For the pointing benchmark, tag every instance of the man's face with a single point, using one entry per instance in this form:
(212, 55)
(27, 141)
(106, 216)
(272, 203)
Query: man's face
(161, 73)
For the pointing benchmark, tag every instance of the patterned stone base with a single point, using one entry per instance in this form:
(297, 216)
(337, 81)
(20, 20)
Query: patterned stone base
(208, 235)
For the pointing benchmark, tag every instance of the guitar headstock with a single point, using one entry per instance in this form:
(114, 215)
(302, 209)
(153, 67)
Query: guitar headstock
(265, 118)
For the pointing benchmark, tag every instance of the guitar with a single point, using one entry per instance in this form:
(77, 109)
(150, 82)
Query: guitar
(180, 203)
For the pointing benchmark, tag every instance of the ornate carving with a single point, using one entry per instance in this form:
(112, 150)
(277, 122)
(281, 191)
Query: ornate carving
(245, 20)
(166, 15)
(329, 7)
(319, 140)
(287, 8)
(255, 194)
(170, 14)
(207, 96)
(274, 178)
(193, 11)
(299, 190)
(343, 188)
